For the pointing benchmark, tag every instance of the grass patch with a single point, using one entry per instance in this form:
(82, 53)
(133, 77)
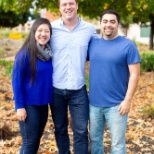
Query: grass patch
(2, 51)
(7, 65)
(148, 111)
(87, 82)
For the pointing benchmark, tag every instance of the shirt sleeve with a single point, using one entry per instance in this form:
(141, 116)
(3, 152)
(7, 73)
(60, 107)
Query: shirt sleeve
(94, 35)
(18, 76)
(133, 54)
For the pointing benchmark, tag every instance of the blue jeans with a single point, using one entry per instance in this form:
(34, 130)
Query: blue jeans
(77, 100)
(32, 129)
(117, 124)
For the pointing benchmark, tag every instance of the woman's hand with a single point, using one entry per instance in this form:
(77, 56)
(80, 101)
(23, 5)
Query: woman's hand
(21, 114)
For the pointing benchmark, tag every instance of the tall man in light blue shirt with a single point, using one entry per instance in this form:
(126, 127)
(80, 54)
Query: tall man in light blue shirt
(69, 42)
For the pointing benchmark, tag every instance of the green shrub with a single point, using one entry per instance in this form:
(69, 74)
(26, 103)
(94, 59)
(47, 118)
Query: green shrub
(147, 62)
(8, 66)
(148, 111)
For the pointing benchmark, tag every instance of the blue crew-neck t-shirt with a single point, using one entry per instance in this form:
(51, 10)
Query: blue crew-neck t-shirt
(109, 73)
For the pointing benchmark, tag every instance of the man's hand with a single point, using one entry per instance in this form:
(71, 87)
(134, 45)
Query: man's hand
(21, 114)
(124, 107)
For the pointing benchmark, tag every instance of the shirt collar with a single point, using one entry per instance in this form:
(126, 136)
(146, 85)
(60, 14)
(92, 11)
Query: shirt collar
(62, 22)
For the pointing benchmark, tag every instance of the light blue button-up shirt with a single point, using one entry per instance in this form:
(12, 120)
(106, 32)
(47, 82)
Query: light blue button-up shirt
(69, 53)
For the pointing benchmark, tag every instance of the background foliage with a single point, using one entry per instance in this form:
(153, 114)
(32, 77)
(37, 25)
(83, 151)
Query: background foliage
(147, 64)
(131, 11)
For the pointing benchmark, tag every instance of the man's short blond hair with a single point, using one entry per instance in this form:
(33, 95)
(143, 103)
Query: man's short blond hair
(59, 1)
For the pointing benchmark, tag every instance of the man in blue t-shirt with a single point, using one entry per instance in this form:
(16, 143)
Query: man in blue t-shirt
(114, 74)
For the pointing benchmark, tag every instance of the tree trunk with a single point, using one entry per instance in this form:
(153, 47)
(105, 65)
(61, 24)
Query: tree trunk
(151, 35)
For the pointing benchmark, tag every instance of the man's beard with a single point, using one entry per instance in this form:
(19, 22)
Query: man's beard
(108, 34)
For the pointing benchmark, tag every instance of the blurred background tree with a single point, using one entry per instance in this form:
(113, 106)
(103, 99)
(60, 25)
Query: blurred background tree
(15, 12)
(131, 11)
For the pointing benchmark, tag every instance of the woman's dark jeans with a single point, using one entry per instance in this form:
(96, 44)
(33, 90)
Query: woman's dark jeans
(77, 101)
(32, 129)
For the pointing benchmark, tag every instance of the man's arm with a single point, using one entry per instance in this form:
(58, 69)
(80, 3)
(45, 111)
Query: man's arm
(125, 105)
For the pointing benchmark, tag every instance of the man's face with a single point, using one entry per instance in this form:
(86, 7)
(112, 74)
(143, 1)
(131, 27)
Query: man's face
(109, 26)
(68, 9)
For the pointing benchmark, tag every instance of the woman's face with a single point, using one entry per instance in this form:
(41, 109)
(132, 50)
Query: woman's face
(42, 34)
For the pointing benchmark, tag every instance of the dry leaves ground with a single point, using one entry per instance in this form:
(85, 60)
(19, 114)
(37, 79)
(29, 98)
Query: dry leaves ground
(140, 131)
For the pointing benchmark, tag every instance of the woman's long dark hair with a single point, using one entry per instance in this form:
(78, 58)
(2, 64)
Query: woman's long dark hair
(30, 44)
